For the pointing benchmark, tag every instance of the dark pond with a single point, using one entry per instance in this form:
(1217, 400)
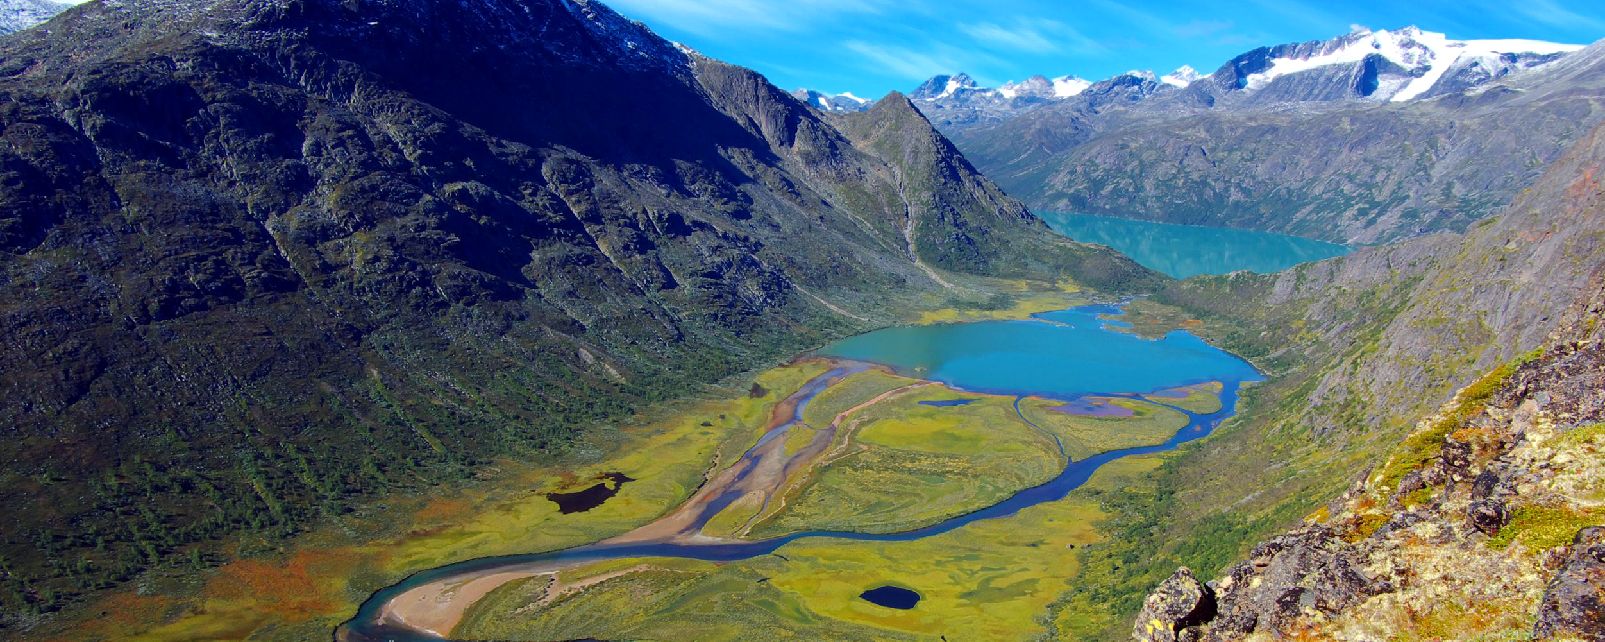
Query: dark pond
(892, 597)
(583, 500)
(947, 403)
(1063, 355)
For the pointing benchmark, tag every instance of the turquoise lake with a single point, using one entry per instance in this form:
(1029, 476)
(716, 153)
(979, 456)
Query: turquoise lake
(1189, 250)
(1063, 355)
(1056, 354)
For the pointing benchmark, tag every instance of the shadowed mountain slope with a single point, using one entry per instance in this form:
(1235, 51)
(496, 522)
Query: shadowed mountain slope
(261, 259)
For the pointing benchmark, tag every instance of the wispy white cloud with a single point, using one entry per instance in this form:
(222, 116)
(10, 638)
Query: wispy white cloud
(903, 61)
(1034, 35)
(1552, 14)
(923, 60)
(713, 17)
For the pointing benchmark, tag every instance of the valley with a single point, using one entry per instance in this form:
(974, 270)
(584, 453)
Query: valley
(858, 457)
(514, 319)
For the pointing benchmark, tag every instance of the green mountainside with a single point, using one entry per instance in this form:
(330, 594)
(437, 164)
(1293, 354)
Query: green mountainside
(1359, 350)
(261, 260)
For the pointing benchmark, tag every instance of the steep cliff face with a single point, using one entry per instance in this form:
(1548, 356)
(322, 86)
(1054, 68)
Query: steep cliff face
(287, 254)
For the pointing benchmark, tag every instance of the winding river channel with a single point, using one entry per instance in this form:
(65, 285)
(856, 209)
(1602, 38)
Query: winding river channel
(1068, 355)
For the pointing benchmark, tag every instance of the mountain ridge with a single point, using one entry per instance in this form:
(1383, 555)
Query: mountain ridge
(1363, 350)
(292, 255)
(1363, 65)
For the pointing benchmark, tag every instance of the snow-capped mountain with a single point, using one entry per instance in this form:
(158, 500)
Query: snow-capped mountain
(1382, 65)
(1362, 65)
(1181, 77)
(961, 88)
(16, 15)
(955, 87)
(844, 101)
(1044, 88)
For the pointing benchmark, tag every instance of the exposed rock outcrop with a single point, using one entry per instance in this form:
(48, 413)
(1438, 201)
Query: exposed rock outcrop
(1485, 522)
(1574, 603)
(1175, 609)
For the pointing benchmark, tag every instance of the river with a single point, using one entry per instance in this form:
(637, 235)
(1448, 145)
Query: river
(1063, 355)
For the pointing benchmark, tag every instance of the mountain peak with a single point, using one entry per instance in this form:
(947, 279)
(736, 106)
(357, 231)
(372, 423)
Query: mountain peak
(844, 101)
(1181, 77)
(944, 86)
(1398, 65)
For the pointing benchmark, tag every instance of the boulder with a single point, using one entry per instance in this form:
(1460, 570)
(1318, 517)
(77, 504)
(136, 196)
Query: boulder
(1306, 572)
(1173, 611)
(1573, 607)
(1487, 516)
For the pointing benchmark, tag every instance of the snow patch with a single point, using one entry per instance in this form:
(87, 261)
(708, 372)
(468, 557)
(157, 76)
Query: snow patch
(1068, 86)
(1427, 55)
(1181, 77)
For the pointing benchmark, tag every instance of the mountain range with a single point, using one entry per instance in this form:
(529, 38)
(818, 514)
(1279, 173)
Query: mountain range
(1272, 138)
(1364, 65)
(289, 255)
(1451, 384)
(264, 262)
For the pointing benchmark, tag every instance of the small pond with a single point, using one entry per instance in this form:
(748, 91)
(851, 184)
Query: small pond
(892, 597)
(583, 500)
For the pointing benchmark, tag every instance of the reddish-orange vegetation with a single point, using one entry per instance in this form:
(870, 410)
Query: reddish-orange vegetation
(441, 510)
(288, 589)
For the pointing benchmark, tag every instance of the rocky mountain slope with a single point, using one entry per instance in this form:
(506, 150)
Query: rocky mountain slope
(1318, 152)
(16, 15)
(1361, 348)
(262, 259)
(1488, 522)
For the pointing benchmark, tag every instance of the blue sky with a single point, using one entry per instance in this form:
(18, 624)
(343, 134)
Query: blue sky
(870, 47)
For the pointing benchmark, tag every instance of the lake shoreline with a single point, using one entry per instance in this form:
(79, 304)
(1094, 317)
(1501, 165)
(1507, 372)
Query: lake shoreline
(430, 604)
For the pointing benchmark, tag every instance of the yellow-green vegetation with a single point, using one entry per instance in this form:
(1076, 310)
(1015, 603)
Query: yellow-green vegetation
(1084, 436)
(1202, 398)
(1484, 620)
(1540, 528)
(990, 580)
(901, 464)
(729, 522)
(1422, 447)
(306, 591)
(1585, 437)
(1020, 300)
(851, 392)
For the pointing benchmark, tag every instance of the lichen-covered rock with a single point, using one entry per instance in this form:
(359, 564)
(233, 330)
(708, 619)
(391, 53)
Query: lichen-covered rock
(1172, 611)
(1464, 545)
(1574, 604)
(1487, 516)
(1306, 572)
